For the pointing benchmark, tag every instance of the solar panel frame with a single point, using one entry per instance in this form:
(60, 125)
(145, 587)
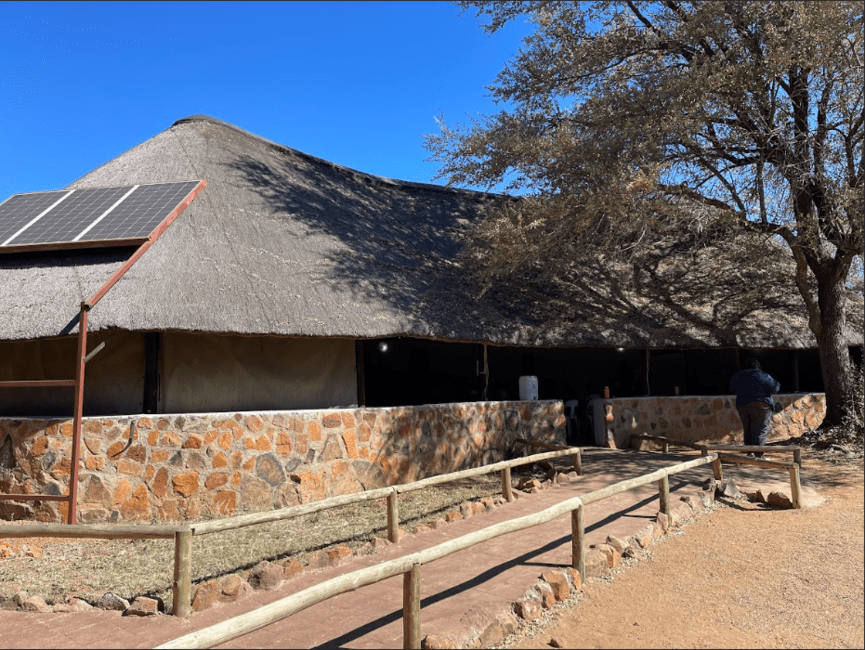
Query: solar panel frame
(110, 221)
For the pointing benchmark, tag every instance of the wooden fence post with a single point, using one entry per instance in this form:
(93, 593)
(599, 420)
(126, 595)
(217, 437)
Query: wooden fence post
(578, 463)
(506, 484)
(393, 517)
(411, 608)
(182, 605)
(797, 457)
(716, 470)
(578, 542)
(795, 487)
(664, 494)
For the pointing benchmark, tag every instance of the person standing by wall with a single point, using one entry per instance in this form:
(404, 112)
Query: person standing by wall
(754, 389)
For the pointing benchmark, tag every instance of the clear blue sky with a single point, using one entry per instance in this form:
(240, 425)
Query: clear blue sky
(357, 83)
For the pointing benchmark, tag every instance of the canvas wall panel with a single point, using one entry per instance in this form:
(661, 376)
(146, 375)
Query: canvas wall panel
(203, 373)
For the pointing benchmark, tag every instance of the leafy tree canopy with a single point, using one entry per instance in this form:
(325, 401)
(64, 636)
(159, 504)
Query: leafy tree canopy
(658, 126)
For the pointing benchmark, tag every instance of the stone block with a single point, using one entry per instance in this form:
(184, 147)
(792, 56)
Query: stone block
(265, 576)
(545, 592)
(596, 563)
(193, 442)
(206, 595)
(528, 608)
(454, 515)
(756, 497)
(497, 630)
(477, 507)
(112, 601)
(232, 587)
(290, 568)
(339, 555)
(612, 556)
(620, 545)
(575, 578)
(143, 606)
(437, 642)
(185, 484)
(558, 582)
(438, 523)
(645, 535)
(466, 510)
(729, 489)
(778, 500)
(36, 604)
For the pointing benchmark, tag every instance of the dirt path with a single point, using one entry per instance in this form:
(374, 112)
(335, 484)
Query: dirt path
(742, 577)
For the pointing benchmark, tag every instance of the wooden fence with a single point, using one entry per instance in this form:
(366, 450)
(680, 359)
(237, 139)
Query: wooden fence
(410, 565)
(793, 468)
(183, 534)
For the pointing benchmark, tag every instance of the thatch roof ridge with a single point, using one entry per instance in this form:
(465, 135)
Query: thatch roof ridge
(484, 196)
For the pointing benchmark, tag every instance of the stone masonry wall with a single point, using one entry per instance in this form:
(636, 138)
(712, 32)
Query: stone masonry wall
(185, 467)
(700, 419)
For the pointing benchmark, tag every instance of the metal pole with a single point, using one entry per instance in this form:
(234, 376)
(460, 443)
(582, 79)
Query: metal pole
(72, 510)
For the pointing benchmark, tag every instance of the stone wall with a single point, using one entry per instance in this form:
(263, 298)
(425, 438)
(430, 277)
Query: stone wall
(179, 467)
(699, 418)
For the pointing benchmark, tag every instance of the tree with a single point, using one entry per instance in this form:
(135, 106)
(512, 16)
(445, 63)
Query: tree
(633, 125)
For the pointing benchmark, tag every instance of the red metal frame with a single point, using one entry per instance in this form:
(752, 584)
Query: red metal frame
(99, 243)
(83, 357)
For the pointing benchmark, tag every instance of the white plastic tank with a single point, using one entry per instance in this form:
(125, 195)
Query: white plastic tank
(528, 387)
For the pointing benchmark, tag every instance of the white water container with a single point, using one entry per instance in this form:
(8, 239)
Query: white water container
(528, 387)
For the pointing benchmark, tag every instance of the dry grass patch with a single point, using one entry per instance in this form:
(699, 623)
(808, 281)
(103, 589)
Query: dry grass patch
(87, 569)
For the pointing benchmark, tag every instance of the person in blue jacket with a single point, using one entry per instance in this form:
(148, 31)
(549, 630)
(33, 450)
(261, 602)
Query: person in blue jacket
(754, 389)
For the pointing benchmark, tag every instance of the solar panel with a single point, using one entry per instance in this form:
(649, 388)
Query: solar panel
(107, 216)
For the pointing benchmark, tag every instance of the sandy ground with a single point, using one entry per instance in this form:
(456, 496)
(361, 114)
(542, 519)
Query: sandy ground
(743, 576)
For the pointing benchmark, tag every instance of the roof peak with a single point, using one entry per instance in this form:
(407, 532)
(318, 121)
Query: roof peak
(200, 117)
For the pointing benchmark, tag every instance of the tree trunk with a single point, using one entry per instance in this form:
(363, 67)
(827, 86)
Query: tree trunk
(832, 346)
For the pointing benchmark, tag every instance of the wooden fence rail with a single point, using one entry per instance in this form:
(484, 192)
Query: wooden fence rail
(409, 565)
(666, 442)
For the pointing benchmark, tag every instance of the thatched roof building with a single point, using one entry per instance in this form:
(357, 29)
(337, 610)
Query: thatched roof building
(283, 244)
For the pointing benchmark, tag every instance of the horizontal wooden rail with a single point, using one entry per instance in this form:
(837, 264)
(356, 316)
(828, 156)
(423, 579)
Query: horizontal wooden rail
(219, 525)
(578, 457)
(34, 497)
(254, 620)
(91, 531)
(35, 383)
(757, 462)
(668, 441)
(797, 450)
(240, 521)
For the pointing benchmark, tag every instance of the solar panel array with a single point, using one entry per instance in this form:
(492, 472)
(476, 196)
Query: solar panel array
(105, 215)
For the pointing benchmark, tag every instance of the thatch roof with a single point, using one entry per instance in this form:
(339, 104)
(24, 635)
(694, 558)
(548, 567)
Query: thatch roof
(283, 243)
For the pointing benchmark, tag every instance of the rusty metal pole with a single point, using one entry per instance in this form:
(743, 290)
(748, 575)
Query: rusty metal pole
(72, 510)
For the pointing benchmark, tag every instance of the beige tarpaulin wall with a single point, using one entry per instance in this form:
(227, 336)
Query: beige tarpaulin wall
(114, 382)
(202, 372)
(198, 373)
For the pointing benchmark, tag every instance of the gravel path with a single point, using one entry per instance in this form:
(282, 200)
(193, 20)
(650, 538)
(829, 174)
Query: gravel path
(743, 576)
